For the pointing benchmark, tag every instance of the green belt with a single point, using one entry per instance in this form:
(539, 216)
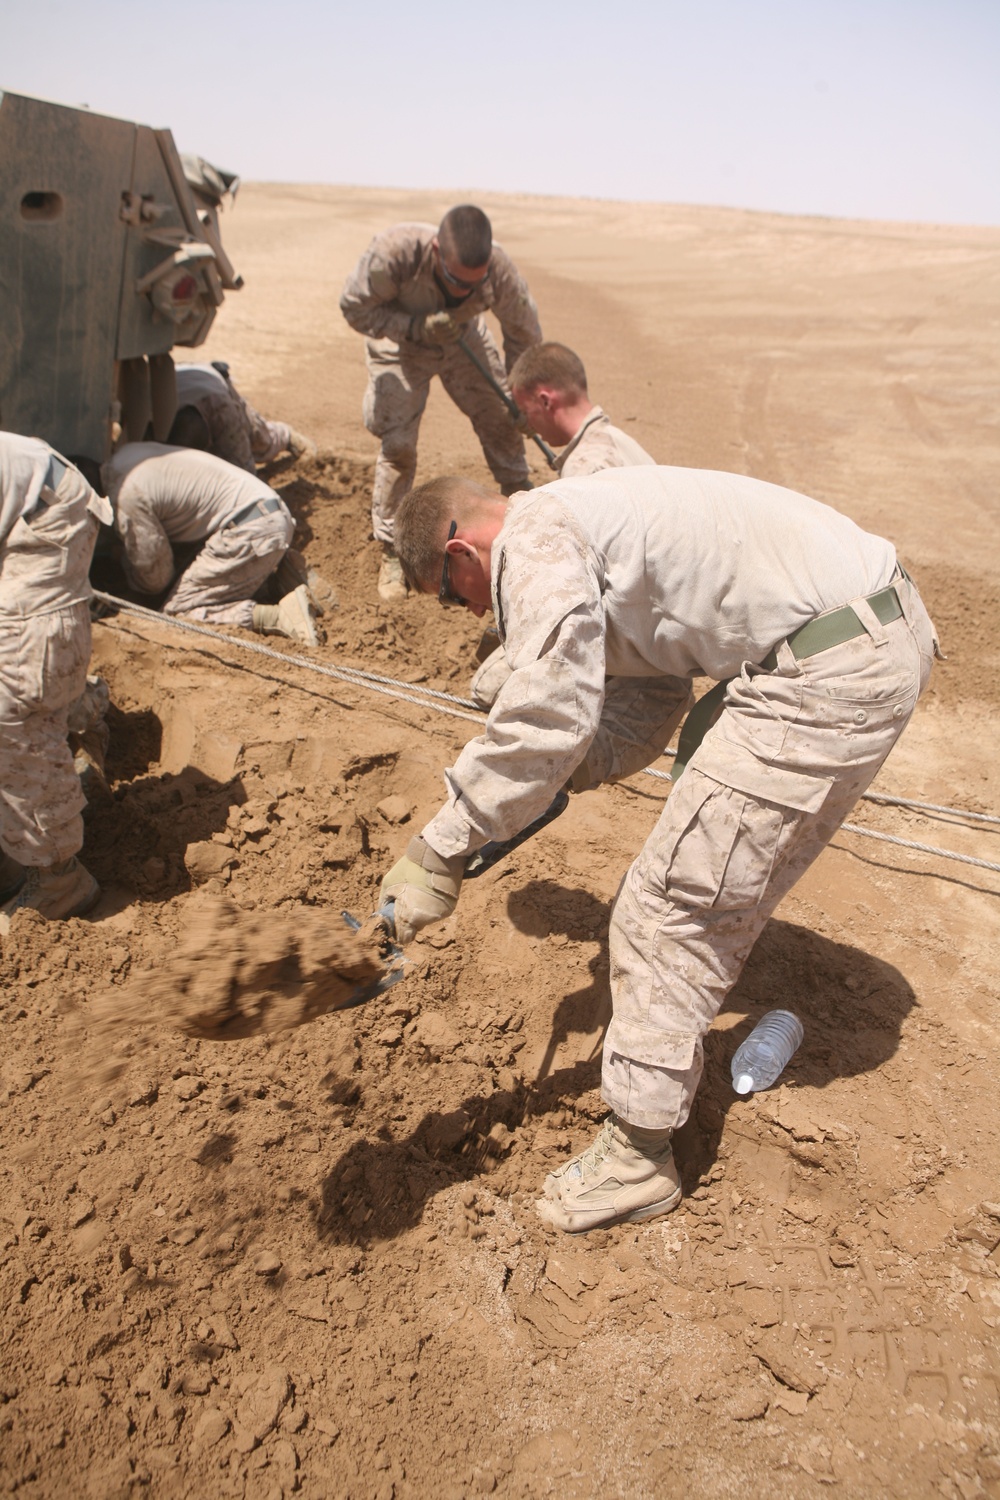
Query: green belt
(838, 626)
(821, 634)
(253, 511)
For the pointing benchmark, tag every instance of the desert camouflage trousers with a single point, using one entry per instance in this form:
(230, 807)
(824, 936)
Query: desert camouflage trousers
(43, 670)
(267, 439)
(219, 585)
(44, 655)
(762, 796)
(239, 434)
(399, 378)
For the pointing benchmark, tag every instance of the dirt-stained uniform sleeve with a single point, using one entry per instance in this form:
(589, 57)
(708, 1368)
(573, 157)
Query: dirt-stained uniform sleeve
(514, 307)
(148, 556)
(547, 595)
(367, 301)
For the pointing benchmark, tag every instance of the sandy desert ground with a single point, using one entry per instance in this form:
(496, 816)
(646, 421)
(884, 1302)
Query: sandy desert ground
(307, 1261)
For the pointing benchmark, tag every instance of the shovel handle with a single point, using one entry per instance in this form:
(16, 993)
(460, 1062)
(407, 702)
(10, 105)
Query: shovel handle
(508, 401)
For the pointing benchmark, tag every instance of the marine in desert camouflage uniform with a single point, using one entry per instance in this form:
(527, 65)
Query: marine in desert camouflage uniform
(49, 519)
(823, 645)
(213, 416)
(549, 384)
(414, 293)
(164, 496)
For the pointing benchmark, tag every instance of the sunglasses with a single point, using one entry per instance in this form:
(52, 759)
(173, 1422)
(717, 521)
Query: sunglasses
(456, 281)
(446, 594)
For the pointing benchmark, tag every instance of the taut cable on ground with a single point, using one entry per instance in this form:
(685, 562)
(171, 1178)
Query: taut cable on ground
(891, 838)
(389, 686)
(959, 812)
(883, 797)
(451, 704)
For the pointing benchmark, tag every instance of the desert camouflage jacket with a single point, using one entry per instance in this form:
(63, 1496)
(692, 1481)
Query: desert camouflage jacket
(394, 282)
(599, 445)
(645, 572)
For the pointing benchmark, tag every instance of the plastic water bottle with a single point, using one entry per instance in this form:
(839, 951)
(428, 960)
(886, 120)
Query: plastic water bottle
(760, 1060)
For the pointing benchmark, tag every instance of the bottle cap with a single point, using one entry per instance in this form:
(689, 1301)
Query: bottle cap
(743, 1084)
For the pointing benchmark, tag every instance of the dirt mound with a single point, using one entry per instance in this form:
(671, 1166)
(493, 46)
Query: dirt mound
(307, 1263)
(239, 974)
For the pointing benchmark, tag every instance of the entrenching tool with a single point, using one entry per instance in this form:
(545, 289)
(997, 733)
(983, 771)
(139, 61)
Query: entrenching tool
(392, 954)
(508, 401)
(497, 849)
(383, 921)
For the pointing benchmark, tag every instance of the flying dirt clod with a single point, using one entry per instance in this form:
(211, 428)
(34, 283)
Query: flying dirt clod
(241, 974)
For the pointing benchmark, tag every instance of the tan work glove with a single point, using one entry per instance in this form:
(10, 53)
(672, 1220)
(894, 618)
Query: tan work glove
(436, 328)
(424, 886)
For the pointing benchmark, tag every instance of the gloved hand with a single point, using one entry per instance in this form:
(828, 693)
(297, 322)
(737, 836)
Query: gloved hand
(436, 329)
(424, 886)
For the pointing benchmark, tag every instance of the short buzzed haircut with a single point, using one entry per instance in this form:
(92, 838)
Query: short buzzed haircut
(466, 234)
(422, 522)
(549, 364)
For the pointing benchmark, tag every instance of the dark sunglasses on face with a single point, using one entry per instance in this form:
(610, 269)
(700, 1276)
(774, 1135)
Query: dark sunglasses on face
(456, 281)
(446, 594)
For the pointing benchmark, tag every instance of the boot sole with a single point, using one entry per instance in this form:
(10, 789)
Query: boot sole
(631, 1216)
(665, 1206)
(554, 1196)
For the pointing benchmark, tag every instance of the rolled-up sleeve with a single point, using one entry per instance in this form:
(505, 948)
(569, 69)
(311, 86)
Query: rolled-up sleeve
(548, 711)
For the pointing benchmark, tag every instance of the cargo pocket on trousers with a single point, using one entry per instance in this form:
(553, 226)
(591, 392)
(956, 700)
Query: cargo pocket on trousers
(65, 658)
(656, 1048)
(739, 814)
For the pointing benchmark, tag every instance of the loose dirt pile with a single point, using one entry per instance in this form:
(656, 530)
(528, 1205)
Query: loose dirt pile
(240, 974)
(306, 1261)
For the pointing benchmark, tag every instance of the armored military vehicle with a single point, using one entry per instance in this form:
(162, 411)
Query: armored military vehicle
(109, 256)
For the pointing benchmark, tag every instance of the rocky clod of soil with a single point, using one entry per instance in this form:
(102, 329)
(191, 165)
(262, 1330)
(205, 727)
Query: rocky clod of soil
(240, 974)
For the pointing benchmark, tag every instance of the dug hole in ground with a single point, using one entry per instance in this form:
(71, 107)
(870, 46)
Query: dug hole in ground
(307, 1261)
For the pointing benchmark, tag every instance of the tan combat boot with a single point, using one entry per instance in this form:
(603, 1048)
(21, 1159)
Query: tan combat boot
(291, 617)
(11, 876)
(391, 578)
(295, 616)
(628, 1174)
(64, 889)
(293, 570)
(299, 446)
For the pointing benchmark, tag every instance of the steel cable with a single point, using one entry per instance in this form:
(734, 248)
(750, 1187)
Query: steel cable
(454, 706)
(388, 686)
(891, 838)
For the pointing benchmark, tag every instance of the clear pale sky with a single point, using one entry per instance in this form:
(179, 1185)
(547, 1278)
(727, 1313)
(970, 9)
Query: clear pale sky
(885, 109)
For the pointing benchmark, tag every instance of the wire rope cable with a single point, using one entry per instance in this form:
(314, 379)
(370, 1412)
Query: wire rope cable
(390, 687)
(891, 838)
(935, 807)
(449, 703)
